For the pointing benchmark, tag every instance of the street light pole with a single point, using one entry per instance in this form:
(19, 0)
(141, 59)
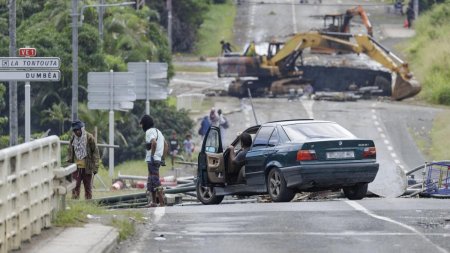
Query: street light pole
(74, 59)
(13, 122)
(169, 23)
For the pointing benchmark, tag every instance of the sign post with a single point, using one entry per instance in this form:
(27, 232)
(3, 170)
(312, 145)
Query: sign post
(36, 69)
(111, 91)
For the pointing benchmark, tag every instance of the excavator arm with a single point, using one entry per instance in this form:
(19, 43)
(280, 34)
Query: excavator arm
(404, 85)
(350, 13)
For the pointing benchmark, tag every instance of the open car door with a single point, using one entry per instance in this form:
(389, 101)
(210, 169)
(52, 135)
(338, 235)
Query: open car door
(211, 166)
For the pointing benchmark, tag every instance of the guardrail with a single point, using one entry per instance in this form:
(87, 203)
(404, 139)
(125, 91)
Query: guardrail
(31, 185)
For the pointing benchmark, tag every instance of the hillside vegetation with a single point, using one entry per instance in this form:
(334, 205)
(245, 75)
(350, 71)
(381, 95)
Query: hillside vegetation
(429, 52)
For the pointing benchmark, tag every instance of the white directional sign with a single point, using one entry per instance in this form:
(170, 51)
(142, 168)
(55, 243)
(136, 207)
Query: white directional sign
(107, 87)
(30, 63)
(151, 80)
(30, 75)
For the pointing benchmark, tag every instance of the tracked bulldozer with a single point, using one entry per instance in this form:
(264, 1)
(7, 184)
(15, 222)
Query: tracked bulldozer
(280, 68)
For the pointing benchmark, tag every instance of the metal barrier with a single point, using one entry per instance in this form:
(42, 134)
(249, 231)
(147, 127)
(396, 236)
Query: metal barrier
(27, 194)
(192, 102)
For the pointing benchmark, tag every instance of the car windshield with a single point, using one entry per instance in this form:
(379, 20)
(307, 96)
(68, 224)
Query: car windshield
(302, 132)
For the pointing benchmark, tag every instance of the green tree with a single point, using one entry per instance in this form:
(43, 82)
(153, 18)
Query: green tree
(187, 17)
(3, 119)
(58, 112)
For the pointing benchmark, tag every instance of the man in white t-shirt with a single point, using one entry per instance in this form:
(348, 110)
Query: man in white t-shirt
(154, 145)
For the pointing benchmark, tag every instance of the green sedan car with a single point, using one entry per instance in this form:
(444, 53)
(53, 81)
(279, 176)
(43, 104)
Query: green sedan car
(287, 157)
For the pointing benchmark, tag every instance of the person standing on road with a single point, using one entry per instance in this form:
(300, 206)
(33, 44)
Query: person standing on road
(83, 151)
(223, 125)
(204, 126)
(154, 145)
(410, 14)
(214, 117)
(189, 147)
(174, 146)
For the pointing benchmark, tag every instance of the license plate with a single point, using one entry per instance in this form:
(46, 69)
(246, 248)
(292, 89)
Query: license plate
(340, 155)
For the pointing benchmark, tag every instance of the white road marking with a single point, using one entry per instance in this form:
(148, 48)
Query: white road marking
(374, 116)
(393, 155)
(343, 233)
(308, 105)
(362, 209)
(397, 161)
(383, 135)
(294, 20)
(390, 148)
(379, 129)
(376, 123)
(386, 141)
(159, 213)
(373, 110)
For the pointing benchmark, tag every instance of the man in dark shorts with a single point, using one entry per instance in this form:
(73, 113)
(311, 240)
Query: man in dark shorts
(237, 159)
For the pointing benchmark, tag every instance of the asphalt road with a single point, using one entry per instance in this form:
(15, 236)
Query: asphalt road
(370, 225)
(333, 225)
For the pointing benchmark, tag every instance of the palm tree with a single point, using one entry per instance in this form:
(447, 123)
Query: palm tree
(58, 112)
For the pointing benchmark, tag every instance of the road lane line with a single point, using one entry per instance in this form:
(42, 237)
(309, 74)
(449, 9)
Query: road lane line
(383, 136)
(282, 233)
(379, 129)
(374, 117)
(386, 141)
(308, 105)
(159, 213)
(362, 209)
(376, 123)
(390, 148)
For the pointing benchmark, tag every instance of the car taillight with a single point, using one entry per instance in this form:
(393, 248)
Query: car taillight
(370, 152)
(306, 155)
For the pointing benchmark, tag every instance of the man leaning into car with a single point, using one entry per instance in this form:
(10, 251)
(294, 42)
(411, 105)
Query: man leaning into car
(237, 159)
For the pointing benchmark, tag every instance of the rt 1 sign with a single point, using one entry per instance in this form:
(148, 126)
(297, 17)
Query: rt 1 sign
(27, 52)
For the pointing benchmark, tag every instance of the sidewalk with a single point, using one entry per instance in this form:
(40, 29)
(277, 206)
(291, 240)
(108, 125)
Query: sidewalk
(91, 238)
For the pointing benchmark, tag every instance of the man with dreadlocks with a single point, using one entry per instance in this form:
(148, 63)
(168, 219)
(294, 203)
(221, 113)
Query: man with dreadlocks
(83, 151)
(154, 145)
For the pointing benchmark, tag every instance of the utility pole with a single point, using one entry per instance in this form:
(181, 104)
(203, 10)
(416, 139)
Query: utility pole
(13, 122)
(169, 23)
(101, 11)
(416, 9)
(74, 59)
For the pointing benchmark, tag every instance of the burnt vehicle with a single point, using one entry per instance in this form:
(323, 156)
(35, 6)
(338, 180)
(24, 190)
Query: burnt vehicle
(287, 157)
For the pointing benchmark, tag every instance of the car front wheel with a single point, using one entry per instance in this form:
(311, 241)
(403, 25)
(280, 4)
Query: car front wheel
(207, 195)
(356, 192)
(276, 186)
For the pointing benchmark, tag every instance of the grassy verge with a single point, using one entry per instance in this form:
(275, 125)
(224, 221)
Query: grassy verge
(218, 26)
(429, 51)
(439, 137)
(78, 212)
(434, 146)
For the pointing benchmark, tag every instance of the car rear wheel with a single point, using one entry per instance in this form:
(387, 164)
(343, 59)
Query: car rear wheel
(276, 186)
(356, 192)
(207, 195)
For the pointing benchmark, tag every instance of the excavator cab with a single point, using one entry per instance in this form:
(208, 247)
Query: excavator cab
(332, 22)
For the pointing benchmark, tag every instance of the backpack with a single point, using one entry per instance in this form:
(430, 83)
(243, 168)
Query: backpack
(166, 145)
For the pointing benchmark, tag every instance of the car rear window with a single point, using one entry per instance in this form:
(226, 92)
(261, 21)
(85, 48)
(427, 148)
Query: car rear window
(322, 130)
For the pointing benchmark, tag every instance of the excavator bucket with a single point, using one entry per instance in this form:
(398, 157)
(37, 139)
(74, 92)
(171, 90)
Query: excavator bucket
(405, 88)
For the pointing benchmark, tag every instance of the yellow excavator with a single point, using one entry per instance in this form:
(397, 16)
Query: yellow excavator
(278, 67)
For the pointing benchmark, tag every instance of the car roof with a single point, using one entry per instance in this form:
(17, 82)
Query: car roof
(294, 121)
